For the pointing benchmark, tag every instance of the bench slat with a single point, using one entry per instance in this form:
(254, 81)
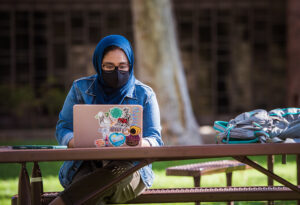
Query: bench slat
(206, 168)
(216, 194)
(260, 193)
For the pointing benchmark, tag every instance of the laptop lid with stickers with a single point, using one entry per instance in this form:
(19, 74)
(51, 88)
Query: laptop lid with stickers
(107, 125)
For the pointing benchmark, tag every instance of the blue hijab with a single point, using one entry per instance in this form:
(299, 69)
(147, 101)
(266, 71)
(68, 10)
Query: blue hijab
(104, 93)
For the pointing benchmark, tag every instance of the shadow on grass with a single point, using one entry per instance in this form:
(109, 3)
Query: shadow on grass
(12, 171)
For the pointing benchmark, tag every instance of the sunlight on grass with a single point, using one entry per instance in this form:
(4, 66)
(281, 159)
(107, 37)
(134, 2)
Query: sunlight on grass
(8, 188)
(248, 177)
(161, 181)
(51, 184)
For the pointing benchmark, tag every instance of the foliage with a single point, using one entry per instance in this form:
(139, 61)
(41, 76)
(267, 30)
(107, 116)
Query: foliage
(5, 101)
(22, 101)
(52, 96)
(53, 100)
(18, 101)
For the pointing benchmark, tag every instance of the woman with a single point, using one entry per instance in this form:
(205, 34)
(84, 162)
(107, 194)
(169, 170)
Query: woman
(114, 83)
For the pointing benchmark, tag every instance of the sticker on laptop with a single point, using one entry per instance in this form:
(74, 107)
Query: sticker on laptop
(132, 140)
(103, 119)
(117, 139)
(118, 127)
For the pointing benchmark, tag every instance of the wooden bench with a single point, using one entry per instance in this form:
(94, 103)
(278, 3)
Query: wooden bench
(217, 194)
(195, 170)
(148, 155)
(199, 169)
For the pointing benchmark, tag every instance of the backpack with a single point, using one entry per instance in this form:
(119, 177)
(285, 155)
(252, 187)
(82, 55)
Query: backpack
(278, 125)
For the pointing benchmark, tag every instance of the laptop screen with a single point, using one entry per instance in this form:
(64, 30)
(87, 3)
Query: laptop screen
(107, 125)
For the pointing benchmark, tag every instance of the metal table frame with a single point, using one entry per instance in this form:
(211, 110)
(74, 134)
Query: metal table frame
(147, 155)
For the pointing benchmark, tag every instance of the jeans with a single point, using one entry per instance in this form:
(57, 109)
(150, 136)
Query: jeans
(92, 176)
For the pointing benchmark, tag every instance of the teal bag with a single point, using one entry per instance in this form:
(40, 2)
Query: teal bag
(260, 125)
(225, 134)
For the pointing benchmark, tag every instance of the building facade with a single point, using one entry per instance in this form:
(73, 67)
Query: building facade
(234, 52)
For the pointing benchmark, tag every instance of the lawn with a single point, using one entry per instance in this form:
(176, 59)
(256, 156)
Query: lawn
(9, 176)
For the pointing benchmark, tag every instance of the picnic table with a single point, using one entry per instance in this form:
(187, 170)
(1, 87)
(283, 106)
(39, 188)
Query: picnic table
(147, 155)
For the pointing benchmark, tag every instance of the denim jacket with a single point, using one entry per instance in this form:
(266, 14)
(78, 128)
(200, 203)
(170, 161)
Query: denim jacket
(83, 92)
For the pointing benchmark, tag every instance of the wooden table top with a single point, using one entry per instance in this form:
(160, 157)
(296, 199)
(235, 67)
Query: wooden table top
(139, 153)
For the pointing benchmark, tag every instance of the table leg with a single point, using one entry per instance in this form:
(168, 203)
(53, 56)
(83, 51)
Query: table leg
(298, 173)
(229, 183)
(283, 159)
(270, 168)
(229, 179)
(24, 191)
(36, 184)
(197, 181)
(253, 164)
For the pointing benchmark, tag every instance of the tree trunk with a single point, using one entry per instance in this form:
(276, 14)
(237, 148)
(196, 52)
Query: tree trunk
(159, 65)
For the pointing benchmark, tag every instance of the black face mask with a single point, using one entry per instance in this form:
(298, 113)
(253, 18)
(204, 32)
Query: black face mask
(115, 78)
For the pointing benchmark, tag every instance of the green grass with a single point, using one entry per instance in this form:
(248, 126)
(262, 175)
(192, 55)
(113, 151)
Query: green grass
(9, 176)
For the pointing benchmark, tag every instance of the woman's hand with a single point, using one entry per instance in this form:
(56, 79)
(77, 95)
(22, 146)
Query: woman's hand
(71, 143)
(145, 143)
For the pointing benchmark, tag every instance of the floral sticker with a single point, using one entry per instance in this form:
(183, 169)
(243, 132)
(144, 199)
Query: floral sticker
(134, 130)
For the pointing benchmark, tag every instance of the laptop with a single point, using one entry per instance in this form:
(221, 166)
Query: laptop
(107, 125)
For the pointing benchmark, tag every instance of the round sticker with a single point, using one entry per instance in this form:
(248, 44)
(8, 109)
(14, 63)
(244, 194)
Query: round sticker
(116, 112)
